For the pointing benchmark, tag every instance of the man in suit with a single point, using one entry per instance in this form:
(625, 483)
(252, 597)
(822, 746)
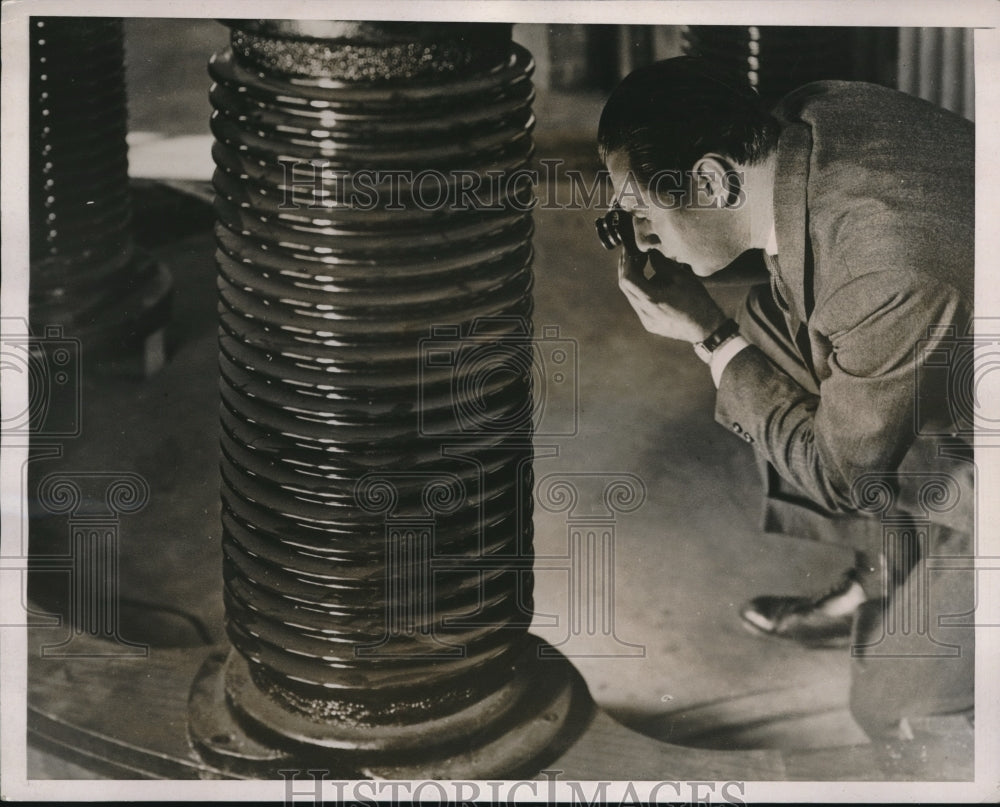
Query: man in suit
(841, 371)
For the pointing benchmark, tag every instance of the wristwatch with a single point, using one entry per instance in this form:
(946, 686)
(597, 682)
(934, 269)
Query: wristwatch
(726, 331)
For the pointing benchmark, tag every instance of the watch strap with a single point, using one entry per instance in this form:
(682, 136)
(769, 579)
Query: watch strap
(726, 330)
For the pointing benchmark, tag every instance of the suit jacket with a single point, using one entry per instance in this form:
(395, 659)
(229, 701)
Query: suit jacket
(874, 216)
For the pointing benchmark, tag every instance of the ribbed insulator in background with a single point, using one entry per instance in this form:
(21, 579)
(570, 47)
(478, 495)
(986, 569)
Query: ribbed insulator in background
(86, 274)
(775, 59)
(376, 369)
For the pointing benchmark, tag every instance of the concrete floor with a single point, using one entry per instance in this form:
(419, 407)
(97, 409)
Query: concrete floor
(679, 666)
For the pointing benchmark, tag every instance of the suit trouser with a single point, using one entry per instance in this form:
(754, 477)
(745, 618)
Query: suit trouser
(912, 643)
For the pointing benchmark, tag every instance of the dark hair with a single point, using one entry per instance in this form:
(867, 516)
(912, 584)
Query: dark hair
(668, 114)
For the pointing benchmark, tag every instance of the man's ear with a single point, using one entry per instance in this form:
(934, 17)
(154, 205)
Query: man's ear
(714, 182)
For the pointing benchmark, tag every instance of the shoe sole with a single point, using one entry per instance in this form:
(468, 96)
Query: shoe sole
(832, 643)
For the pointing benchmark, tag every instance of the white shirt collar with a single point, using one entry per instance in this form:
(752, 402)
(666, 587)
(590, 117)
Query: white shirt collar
(771, 247)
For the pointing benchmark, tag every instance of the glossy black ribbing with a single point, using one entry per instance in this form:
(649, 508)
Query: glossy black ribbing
(376, 479)
(86, 274)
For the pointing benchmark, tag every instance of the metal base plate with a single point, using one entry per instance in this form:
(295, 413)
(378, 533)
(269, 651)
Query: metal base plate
(548, 708)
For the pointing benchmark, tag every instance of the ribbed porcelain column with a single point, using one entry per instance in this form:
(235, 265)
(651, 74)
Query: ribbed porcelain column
(86, 274)
(376, 367)
(775, 59)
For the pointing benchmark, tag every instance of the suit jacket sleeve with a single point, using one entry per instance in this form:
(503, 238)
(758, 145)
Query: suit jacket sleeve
(877, 324)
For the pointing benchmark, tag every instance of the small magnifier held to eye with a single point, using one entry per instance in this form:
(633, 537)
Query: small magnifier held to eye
(615, 228)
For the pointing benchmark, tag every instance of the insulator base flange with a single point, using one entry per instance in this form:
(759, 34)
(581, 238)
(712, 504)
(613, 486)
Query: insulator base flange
(547, 707)
(126, 328)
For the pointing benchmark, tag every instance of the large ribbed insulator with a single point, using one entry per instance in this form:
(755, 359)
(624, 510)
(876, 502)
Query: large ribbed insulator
(376, 369)
(86, 274)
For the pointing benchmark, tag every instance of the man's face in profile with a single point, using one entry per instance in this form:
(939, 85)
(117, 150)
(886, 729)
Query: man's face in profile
(683, 222)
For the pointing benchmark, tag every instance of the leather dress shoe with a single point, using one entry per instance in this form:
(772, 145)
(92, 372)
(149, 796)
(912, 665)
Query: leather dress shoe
(821, 621)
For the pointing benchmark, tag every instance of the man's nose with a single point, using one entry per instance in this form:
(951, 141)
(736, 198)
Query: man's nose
(645, 238)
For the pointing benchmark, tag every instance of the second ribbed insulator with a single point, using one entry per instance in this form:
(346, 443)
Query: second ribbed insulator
(376, 367)
(86, 273)
(775, 59)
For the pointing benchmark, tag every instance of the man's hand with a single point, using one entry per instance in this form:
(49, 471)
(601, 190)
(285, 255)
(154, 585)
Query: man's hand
(672, 302)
